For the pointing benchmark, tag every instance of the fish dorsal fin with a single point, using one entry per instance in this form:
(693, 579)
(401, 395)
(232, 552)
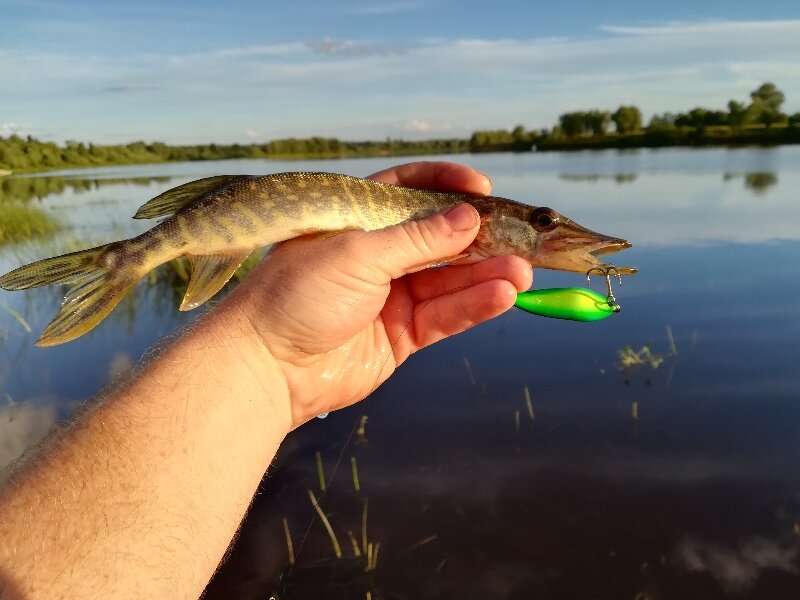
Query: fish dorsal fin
(209, 273)
(173, 200)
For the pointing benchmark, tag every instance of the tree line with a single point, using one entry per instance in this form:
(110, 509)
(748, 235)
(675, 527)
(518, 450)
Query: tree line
(29, 154)
(759, 121)
(764, 109)
(740, 123)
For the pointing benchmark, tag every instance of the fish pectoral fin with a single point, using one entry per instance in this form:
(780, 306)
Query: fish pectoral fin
(467, 258)
(448, 260)
(209, 273)
(171, 201)
(321, 234)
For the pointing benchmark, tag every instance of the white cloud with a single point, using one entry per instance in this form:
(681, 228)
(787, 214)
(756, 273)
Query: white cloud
(417, 125)
(386, 8)
(337, 87)
(7, 129)
(331, 47)
(124, 88)
(426, 126)
(245, 52)
(708, 28)
(737, 569)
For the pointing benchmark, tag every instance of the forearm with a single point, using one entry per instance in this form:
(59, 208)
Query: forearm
(142, 495)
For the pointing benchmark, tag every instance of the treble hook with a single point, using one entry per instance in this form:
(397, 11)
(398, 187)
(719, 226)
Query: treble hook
(607, 272)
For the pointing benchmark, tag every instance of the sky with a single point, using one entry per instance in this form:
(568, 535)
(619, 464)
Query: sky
(250, 71)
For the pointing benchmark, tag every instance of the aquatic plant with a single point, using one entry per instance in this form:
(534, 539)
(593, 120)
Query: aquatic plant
(356, 484)
(320, 472)
(337, 549)
(629, 358)
(19, 222)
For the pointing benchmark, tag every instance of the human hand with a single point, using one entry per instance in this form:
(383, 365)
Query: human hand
(338, 314)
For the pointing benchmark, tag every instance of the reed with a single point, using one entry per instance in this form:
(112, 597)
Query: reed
(424, 541)
(673, 349)
(289, 545)
(364, 526)
(356, 484)
(372, 557)
(361, 431)
(320, 472)
(470, 373)
(337, 549)
(354, 542)
(19, 222)
(529, 403)
(20, 319)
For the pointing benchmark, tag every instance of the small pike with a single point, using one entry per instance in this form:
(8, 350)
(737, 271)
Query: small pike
(217, 222)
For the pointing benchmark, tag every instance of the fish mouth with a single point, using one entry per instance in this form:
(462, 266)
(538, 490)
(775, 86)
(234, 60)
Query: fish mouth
(607, 248)
(581, 251)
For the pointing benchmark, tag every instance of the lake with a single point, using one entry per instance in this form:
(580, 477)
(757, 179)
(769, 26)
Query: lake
(655, 454)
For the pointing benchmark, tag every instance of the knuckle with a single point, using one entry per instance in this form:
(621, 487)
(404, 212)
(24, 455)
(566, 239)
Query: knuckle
(421, 238)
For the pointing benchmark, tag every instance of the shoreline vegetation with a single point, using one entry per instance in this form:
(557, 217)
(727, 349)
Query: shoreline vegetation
(760, 122)
(20, 222)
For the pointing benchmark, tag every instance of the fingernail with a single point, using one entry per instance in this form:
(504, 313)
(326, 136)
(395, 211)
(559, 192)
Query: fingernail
(462, 217)
(489, 179)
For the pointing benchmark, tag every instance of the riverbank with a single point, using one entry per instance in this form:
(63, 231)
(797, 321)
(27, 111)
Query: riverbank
(33, 156)
(676, 137)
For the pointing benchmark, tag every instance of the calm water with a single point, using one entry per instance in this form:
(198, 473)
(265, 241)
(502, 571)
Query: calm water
(675, 480)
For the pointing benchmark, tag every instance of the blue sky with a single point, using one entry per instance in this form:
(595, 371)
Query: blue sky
(241, 71)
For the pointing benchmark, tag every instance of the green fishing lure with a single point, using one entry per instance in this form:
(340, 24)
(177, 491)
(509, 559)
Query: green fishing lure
(574, 304)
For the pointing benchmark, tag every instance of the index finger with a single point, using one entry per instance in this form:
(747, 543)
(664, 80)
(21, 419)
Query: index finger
(436, 175)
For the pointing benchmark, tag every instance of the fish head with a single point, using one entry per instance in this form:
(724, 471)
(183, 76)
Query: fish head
(544, 237)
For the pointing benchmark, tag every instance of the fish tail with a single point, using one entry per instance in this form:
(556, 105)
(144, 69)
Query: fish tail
(99, 278)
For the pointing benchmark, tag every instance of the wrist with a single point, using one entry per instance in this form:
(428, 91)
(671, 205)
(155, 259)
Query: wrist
(246, 364)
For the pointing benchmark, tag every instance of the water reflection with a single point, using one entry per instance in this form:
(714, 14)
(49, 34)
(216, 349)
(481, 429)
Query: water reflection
(678, 479)
(760, 182)
(21, 189)
(595, 177)
(757, 182)
(738, 569)
(23, 423)
(576, 507)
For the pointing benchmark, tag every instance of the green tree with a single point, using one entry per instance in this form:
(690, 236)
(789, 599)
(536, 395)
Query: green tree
(736, 113)
(771, 97)
(662, 122)
(478, 139)
(627, 119)
(573, 123)
(598, 121)
(694, 118)
(767, 100)
(519, 134)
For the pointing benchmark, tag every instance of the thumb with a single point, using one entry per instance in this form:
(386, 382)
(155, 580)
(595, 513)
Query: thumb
(414, 245)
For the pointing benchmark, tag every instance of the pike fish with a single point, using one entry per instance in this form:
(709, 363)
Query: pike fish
(218, 221)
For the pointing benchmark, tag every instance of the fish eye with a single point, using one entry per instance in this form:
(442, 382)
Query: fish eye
(544, 219)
